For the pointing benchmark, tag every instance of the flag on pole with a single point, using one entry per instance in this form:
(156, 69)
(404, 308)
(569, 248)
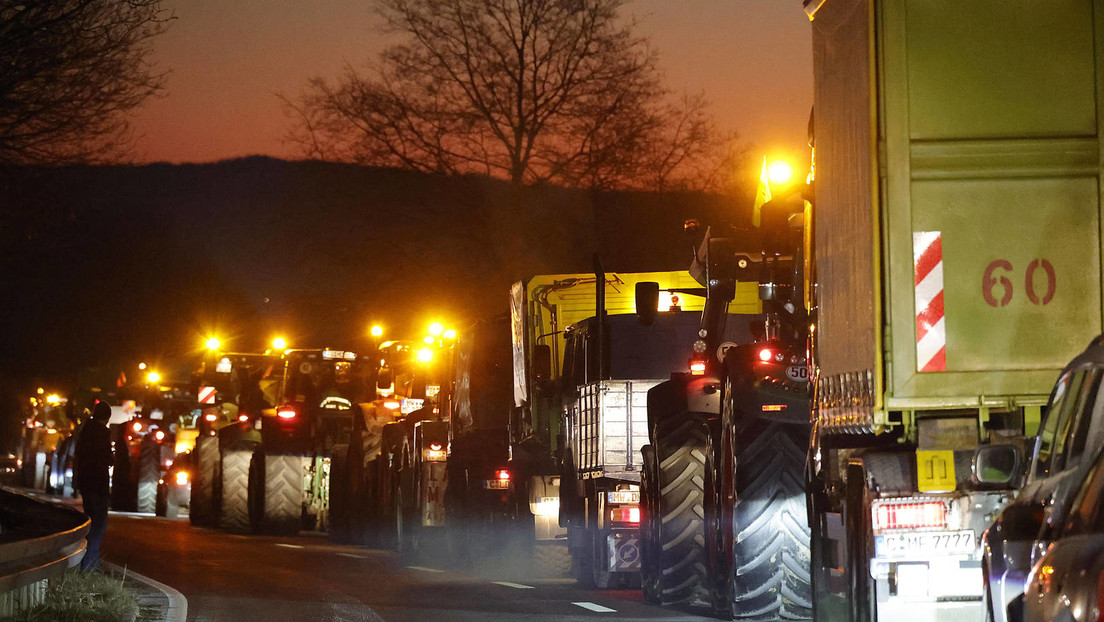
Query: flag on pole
(762, 195)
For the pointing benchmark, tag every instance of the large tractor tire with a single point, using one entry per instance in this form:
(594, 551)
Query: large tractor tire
(281, 508)
(149, 471)
(771, 577)
(234, 473)
(202, 511)
(682, 447)
(340, 506)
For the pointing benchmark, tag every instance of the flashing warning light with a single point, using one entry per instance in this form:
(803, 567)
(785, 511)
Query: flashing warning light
(213, 343)
(780, 172)
(910, 515)
(392, 405)
(279, 343)
(137, 426)
(243, 418)
(210, 417)
(502, 474)
(181, 478)
(159, 435)
(286, 413)
(697, 368)
(765, 355)
(436, 329)
(425, 355)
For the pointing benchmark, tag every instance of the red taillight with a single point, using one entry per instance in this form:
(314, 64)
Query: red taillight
(211, 417)
(1099, 601)
(502, 474)
(630, 514)
(286, 413)
(697, 368)
(244, 418)
(137, 426)
(910, 515)
(765, 355)
(159, 435)
(435, 446)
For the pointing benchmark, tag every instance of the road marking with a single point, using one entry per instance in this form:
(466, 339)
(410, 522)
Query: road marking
(355, 556)
(516, 586)
(595, 608)
(289, 546)
(424, 569)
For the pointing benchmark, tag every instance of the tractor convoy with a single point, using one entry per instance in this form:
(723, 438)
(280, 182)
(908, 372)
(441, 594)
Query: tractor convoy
(809, 423)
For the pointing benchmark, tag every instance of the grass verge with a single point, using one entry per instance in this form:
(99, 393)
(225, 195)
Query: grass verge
(84, 597)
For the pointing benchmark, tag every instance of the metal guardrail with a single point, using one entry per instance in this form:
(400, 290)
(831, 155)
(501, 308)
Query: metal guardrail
(38, 542)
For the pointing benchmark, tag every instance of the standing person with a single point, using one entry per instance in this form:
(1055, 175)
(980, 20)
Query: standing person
(93, 458)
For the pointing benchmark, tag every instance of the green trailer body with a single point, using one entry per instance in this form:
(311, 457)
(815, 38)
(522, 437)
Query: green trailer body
(975, 124)
(957, 265)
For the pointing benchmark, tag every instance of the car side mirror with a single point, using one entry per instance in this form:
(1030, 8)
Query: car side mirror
(999, 465)
(647, 302)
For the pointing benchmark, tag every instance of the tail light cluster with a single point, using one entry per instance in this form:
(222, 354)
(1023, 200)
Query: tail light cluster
(435, 453)
(181, 478)
(625, 514)
(286, 412)
(910, 514)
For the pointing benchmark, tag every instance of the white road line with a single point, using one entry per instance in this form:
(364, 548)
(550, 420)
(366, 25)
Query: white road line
(516, 586)
(595, 608)
(355, 556)
(289, 546)
(424, 569)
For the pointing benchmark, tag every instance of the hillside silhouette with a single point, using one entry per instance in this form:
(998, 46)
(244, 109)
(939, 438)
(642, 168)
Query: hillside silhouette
(121, 263)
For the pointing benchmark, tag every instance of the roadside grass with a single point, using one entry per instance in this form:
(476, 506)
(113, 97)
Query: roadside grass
(84, 597)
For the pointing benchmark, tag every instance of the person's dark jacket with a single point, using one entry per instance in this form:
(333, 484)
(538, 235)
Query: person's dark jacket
(93, 458)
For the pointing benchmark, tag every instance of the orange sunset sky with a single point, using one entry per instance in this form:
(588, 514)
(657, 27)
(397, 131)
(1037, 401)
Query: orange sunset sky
(228, 58)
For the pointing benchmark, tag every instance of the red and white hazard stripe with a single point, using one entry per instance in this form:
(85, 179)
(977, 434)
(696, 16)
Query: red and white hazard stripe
(931, 331)
(206, 395)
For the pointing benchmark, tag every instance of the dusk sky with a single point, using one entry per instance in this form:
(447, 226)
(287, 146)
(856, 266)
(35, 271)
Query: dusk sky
(751, 58)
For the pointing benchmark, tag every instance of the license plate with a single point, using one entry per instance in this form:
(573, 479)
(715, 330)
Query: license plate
(496, 484)
(924, 544)
(623, 496)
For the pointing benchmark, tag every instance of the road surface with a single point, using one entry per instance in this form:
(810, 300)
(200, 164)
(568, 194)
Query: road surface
(267, 578)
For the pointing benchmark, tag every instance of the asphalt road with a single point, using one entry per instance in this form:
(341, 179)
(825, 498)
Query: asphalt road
(235, 577)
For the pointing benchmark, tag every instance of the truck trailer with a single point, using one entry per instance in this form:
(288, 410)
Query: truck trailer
(956, 261)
